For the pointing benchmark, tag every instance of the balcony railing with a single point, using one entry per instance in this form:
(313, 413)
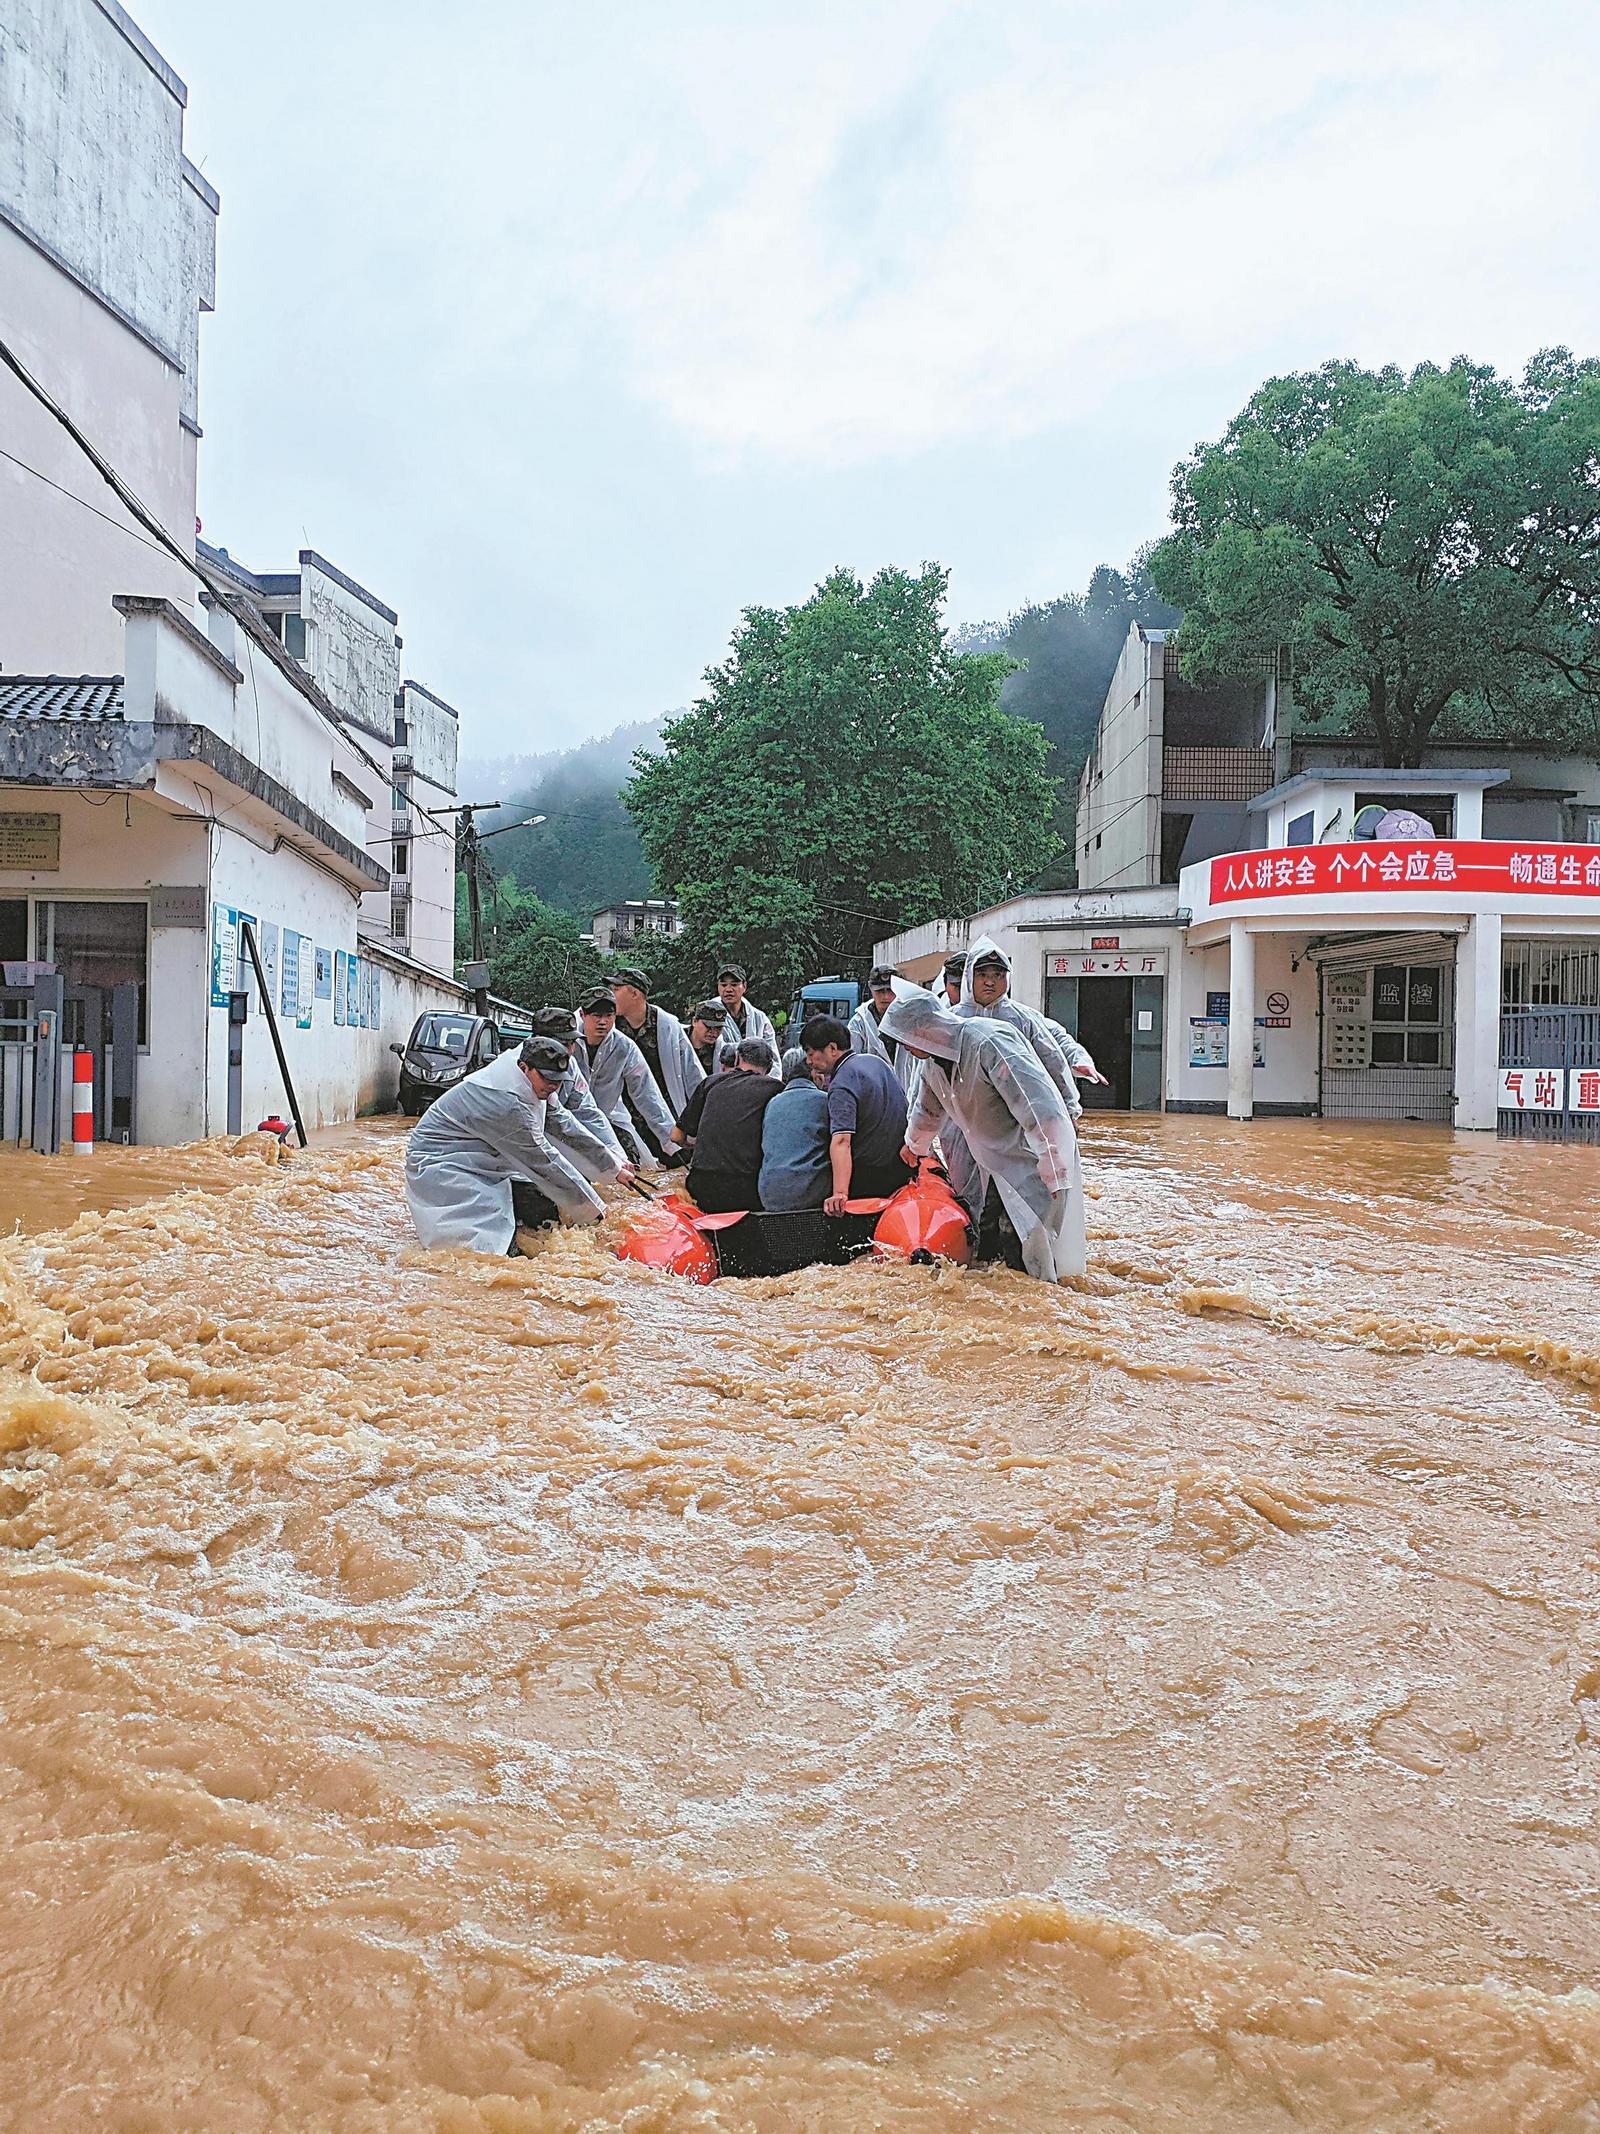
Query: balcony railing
(1215, 773)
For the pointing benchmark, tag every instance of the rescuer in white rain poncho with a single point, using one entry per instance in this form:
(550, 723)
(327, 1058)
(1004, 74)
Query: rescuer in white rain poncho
(884, 987)
(985, 1079)
(493, 1127)
(986, 990)
(741, 1017)
(575, 1096)
(616, 1071)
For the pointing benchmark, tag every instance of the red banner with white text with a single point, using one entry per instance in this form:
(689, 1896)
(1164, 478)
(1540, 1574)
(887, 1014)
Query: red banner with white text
(1422, 865)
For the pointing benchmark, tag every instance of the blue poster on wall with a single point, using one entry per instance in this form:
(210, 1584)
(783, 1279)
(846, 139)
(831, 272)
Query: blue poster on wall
(324, 974)
(340, 959)
(289, 979)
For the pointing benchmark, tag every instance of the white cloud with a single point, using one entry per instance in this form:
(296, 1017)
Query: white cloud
(1182, 188)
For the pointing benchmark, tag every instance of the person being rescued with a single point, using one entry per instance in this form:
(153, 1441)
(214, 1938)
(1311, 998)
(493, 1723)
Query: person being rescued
(503, 1128)
(721, 1127)
(985, 1079)
(866, 1115)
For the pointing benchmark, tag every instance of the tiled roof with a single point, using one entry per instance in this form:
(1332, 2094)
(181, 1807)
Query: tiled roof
(60, 696)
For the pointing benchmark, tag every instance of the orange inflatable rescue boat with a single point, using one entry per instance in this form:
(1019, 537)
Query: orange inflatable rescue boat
(668, 1234)
(921, 1223)
(924, 1221)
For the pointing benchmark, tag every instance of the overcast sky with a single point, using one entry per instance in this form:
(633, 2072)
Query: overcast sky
(571, 331)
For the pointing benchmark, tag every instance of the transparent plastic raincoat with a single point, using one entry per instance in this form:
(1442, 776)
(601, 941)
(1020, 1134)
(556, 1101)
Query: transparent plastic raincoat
(463, 1153)
(866, 1035)
(616, 1065)
(985, 1079)
(1059, 1051)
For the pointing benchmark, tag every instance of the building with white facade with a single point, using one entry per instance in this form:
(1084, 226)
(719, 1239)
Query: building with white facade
(635, 919)
(170, 763)
(1247, 937)
(348, 641)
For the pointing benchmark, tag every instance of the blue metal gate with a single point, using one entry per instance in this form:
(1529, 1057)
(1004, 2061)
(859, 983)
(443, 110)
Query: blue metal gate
(1564, 1041)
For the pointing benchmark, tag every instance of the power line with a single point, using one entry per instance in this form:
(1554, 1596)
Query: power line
(83, 503)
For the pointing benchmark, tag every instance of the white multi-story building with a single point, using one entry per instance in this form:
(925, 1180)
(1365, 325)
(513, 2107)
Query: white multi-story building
(168, 763)
(1247, 936)
(633, 920)
(347, 640)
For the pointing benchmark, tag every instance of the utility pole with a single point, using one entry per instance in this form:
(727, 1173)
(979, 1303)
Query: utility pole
(469, 839)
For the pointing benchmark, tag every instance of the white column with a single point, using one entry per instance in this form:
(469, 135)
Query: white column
(1478, 1022)
(1469, 813)
(1241, 1020)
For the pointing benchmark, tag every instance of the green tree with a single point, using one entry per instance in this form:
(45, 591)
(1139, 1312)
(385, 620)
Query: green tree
(847, 774)
(536, 952)
(1426, 546)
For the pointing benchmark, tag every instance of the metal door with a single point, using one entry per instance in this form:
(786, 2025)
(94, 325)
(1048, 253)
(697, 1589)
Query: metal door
(1148, 1014)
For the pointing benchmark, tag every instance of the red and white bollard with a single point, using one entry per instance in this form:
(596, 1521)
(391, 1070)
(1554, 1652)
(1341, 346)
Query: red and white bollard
(83, 1103)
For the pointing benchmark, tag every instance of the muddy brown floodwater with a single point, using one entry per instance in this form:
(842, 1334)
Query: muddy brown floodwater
(450, 1694)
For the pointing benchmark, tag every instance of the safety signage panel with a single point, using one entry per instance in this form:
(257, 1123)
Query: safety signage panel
(1420, 867)
(231, 970)
(30, 842)
(1533, 1089)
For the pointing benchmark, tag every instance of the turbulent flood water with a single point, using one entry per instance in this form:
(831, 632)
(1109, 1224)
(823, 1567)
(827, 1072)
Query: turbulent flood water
(452, 1694)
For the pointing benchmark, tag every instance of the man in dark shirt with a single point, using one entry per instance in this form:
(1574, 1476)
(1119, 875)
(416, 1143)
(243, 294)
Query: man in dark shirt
(722, 1124)
(866, 1115)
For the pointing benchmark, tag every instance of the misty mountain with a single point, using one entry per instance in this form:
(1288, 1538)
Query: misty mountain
(585, 855)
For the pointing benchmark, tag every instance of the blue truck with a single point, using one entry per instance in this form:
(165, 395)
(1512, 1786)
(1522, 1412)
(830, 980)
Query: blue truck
(823, 996)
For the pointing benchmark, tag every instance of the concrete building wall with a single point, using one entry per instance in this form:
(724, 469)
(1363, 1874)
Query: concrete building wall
(1119, 796)
(107, 255)
(431, 735)
(354, 654)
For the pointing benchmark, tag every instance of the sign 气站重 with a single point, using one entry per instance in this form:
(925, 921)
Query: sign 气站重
(30, 842)
(1474, 866)
(1533, 1089)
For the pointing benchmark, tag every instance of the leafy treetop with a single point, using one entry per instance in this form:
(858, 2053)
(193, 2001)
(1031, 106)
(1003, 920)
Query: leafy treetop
(846, 774)
(1421, 544)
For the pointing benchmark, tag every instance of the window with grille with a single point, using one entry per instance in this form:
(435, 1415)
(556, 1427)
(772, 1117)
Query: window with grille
(1408, 1027)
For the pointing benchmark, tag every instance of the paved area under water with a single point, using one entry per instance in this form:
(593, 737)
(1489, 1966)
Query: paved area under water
(453, 1694)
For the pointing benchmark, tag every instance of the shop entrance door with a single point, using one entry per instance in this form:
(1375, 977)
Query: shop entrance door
(1119, 1020)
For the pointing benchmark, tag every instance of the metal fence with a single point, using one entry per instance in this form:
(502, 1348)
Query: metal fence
(31, 1102)
(1566, 1039)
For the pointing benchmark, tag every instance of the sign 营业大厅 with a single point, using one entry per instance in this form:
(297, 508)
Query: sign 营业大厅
(30, 842)
(1104, 963)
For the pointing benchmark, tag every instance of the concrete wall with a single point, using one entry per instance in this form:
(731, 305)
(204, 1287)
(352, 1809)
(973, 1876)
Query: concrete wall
(283, 890)
(432, 727)
(1119, 796)
(1289, 1075)
(354, 653)
(107, 250)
